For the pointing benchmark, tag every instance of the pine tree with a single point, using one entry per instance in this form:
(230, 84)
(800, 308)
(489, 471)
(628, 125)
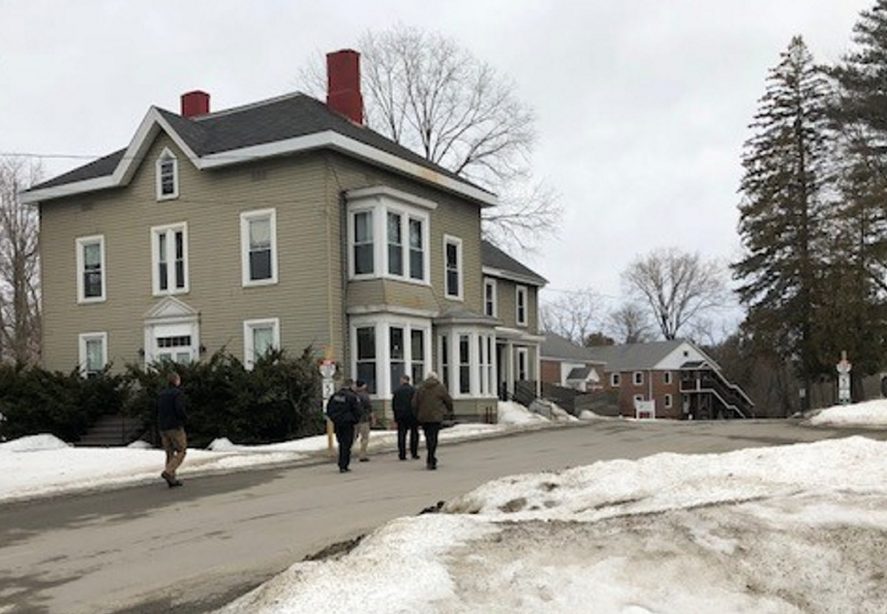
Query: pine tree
(783, 210)
(854, 318)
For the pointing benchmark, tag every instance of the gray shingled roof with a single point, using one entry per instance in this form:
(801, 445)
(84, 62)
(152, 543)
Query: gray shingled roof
(260, 123)
(579, 373)
(556, 346)
(493, 257)
(634, 356)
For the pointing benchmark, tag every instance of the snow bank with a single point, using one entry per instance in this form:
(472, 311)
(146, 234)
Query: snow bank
(667, 533)
(866, 414)
(587, 414)
(34, 443)
(514, 413)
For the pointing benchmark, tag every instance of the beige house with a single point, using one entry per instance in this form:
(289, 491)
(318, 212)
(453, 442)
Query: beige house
(283, 223)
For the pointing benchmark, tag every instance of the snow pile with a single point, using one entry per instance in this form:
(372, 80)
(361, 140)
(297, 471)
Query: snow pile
(799, 528)
(867, 413)
(138, 444)
(587, 414)
(34, 443)
(514, 413)
(560, 414)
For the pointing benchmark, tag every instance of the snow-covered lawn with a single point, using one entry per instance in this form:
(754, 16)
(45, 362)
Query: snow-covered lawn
(865, 414)
(799, 528)
(42, 464)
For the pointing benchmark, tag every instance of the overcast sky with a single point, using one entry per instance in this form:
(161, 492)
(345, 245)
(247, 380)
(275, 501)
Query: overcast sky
(642, 105)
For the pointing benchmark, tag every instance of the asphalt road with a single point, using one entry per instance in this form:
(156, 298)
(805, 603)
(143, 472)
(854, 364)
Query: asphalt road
(152, 549)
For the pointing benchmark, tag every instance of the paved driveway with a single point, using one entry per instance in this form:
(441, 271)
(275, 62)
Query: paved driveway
(149, 549)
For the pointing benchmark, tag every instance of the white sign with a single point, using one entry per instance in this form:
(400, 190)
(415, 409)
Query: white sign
(327, 369)
(843, 369)
(644, 409)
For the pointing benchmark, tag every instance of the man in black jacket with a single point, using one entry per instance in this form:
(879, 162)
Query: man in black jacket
(171, 424)
(343, 409)
(402, 403)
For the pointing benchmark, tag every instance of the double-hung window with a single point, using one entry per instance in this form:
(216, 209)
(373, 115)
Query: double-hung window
(490, 297)
(90, 269)
(366, 356)
(453, 267)
(362, 243)
(615, 380)
(523, 364)
(396, 354)
(417, 248)
(169, 259)
(638, 378)
(258, 245)
(417, 352)
(259, 337)
(395, 244)
(521, 305)
(93, 350)
(444, 360)
(464, 364)
(167, 173)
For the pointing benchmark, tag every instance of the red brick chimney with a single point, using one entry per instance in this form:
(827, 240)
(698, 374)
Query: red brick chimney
(343, 84)
(195, 103)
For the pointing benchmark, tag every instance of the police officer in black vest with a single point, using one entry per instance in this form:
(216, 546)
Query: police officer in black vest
(343, 409)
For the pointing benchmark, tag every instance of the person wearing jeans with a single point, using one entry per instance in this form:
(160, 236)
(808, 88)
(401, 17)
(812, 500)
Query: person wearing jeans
(432, 403)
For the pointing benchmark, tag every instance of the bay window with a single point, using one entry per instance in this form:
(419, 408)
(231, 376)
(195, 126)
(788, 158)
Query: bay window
(388, 237)
(386, 347)
(464, 365)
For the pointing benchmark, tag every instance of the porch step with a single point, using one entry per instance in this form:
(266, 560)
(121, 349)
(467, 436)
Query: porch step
(111, 430)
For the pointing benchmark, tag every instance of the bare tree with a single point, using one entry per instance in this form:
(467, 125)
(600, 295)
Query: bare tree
(630, 324)
(427, 93)
(677, 287)
(573, 315)
(19, 265)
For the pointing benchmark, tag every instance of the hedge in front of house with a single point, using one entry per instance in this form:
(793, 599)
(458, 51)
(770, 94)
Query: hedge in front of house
(34, 400)
(279, 399)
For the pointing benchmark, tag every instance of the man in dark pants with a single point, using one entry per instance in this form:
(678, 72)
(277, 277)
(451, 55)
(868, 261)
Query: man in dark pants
(432, 404)
(343, 409)
(402, 403)
(171, 424)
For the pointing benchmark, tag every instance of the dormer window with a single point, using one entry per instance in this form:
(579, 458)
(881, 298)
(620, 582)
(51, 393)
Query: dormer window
(167, 176)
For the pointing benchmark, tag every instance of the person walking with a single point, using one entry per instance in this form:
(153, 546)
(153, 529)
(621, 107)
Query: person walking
(366, 419)
(402, 403)
(343, 410)
(432, 403)
(171, 424)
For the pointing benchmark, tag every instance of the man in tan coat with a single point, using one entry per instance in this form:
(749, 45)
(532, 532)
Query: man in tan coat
(432, 404)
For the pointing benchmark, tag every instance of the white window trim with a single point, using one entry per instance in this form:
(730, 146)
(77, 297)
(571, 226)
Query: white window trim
(352, 213)
(525, 352)
(518, 290)
(382, 324)
(380, 209)
(82, 339)
(167, 154)
(615, 380)
(668, 401)
(450, 239)
(666, 377)
(248, 348)
(245, 218)
(474, 362)
(170, 263)
(637, 378)
(489, 281)
(79, 242)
